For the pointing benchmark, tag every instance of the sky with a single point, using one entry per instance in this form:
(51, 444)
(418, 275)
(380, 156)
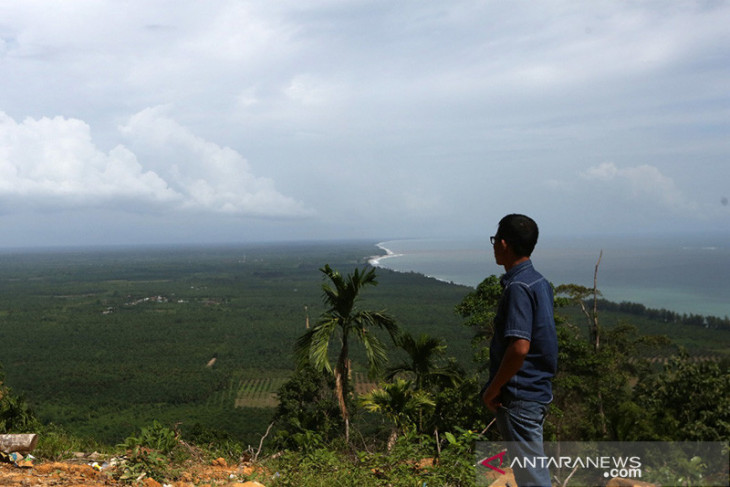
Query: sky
(156, 122)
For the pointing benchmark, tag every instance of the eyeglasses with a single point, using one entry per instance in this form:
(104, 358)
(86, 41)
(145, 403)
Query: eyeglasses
(493, 240)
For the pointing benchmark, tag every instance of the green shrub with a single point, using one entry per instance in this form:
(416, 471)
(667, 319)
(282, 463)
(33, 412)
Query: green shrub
(146, 462)
(155, 437)
(410, 463)
(55, 443)
(152, 453)
(215, 443)
(16, 415)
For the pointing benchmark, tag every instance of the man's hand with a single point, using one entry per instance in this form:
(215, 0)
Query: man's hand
(491, 399)
(513, 359)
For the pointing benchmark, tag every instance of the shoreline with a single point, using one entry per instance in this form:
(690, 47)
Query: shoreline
(375, 261)
(575, 265)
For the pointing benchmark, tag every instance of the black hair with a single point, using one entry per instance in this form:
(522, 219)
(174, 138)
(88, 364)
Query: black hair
(520, 232)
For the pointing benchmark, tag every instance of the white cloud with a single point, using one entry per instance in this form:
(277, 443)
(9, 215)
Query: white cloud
(53, 162)
(603, 172)
(307, 90)
(209, 177)
(247, 97)
(642, 182)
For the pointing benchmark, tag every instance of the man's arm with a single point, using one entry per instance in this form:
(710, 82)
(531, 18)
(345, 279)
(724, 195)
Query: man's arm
(512, 361)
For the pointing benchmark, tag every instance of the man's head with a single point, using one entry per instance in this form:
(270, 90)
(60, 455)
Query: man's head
(519, 232)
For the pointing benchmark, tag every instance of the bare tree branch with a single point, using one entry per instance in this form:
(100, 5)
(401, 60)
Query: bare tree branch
(261, 443)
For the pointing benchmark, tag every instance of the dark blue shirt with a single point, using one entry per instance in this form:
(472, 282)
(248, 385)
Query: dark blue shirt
(526, 311)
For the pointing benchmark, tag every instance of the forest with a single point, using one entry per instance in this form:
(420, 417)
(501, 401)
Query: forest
(215, 342)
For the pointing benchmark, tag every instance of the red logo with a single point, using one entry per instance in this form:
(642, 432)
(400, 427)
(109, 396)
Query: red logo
(486, 463)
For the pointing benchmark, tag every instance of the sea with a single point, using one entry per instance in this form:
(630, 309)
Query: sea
(682, 273)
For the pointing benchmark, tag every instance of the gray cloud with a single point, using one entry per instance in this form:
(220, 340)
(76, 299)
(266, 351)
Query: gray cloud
(643, 183)
(333, 119)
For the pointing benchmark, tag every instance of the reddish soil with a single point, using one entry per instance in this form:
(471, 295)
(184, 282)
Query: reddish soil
(71, 474)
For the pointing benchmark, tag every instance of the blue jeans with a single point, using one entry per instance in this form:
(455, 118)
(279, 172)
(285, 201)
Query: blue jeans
(520, 424)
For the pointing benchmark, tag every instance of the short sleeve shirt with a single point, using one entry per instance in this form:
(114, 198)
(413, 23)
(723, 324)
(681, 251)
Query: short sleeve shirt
(526, 311)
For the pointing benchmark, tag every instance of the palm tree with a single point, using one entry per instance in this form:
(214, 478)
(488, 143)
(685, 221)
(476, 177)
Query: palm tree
(425, 365)
(423, 361)
(341, 319)
(398, 402)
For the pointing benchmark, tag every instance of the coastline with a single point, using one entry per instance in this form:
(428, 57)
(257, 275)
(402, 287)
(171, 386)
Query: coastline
(685, 277)
(376, 261)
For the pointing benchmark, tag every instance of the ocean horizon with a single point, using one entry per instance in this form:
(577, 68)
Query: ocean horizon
(685, 275)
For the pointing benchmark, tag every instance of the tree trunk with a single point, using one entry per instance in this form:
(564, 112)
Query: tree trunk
(596, 331)
(391, 439)
(597, 341)
(341, 386)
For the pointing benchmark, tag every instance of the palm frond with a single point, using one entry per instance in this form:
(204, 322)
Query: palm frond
(379, 319)
(397, 400)
(402, 368)
(302, 347)
(374, 351)
(322, 334)
(313, 346)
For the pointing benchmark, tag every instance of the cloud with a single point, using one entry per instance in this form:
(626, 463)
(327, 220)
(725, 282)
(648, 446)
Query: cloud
(430, 107)
(307, 90)
(53, 163)
(209, 177)
(642, 182)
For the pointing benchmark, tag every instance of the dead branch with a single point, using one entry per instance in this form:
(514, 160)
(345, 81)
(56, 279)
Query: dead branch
(596, 336)
(261, 443)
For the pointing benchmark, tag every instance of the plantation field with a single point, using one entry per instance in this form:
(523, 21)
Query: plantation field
(258, 393)
(103, 342)
(262, 393)
(106, 341)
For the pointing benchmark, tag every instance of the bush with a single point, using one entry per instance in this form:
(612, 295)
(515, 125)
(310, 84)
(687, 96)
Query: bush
(146, 462)
(16, 415)
(152, 453)
(55, 443)
(155, 437)
(215, 443)
(410, 463)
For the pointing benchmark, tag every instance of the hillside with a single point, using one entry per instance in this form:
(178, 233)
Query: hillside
(138, 328)
(104, 342)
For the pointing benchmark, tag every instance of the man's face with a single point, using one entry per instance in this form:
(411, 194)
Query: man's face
(500, 248)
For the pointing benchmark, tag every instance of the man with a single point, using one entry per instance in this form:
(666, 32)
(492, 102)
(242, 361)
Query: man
(524, 350)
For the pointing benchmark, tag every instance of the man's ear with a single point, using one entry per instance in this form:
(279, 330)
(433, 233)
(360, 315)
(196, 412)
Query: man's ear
(504, 245)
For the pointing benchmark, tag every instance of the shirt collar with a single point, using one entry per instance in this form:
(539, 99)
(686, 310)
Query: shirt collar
(510, 274)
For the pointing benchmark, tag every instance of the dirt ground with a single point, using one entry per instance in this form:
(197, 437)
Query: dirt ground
(81, 473)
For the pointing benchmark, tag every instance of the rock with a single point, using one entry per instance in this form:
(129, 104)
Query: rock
(18, 443)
